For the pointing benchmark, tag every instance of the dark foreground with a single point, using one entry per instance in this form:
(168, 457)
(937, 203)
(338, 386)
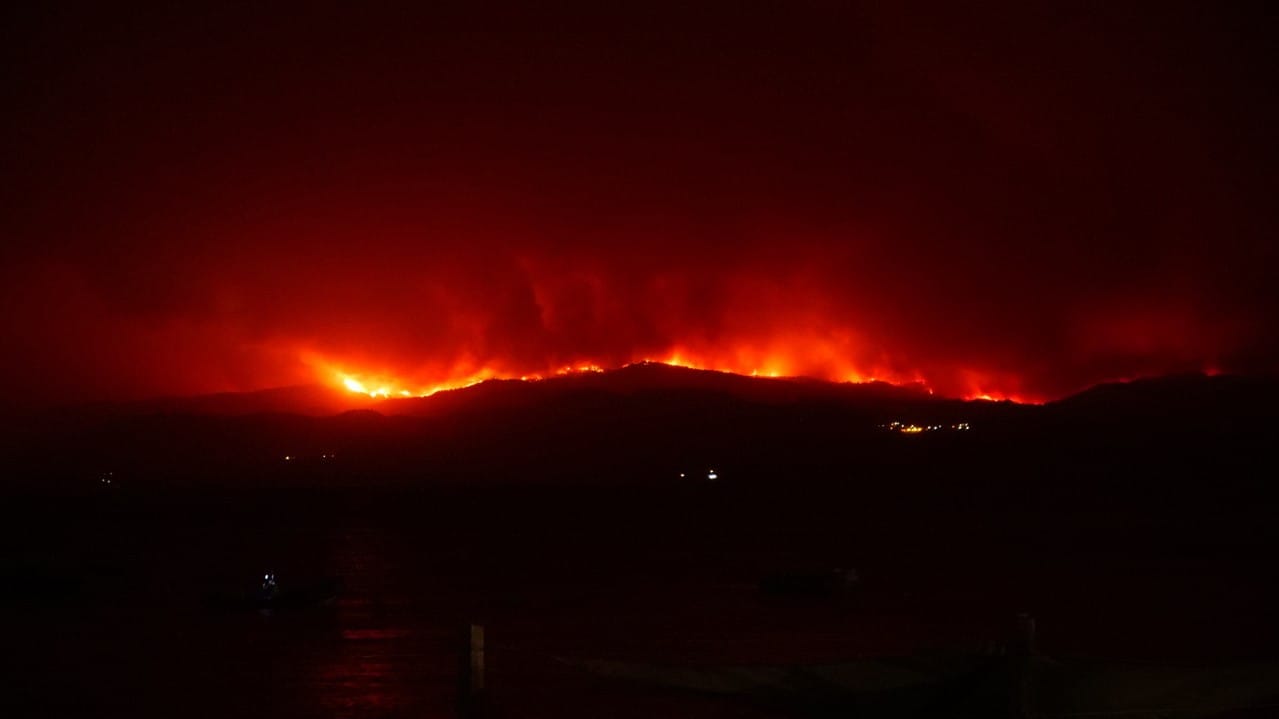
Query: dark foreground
(105, 610)
(1134, 524)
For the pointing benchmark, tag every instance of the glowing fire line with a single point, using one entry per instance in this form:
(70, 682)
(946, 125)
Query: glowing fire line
(383, 388)
(386, 390)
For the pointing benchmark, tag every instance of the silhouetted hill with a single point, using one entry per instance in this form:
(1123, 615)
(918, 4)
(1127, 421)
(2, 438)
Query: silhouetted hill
(654, 380)
(645, 378)
(1186, 395)
(652, 422)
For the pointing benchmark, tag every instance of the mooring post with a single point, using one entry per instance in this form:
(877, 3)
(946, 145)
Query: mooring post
(472, 684)
(477, 659)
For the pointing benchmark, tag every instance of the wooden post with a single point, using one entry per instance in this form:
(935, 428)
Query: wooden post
(471, 691)
(1026, 627)
(477, 659)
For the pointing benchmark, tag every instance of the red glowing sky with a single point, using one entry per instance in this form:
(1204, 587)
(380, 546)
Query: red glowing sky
(1013, 201)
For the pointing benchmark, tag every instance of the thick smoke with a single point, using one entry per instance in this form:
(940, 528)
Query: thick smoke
(1015, 203)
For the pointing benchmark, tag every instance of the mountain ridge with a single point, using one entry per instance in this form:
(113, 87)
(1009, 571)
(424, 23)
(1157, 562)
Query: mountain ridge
(323, 400)
(642, 422)
(317, 400)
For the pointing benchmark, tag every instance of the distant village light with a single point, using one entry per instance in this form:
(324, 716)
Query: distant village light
(902, 428)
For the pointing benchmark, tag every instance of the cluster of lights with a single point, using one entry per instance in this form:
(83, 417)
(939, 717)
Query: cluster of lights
(106, 478)
(911, 428)
(711, 475)
(293, 457)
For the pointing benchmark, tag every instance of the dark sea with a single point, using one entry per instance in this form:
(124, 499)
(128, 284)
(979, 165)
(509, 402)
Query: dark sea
(106, 607)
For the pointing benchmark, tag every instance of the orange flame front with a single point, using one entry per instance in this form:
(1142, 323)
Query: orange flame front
(746, 361)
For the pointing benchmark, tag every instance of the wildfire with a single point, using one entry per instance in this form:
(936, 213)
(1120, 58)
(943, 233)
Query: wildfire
(386, 390)
(357, 386)
(384, 386)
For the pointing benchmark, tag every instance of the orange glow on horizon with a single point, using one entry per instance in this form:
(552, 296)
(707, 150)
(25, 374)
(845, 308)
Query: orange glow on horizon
(745, 362)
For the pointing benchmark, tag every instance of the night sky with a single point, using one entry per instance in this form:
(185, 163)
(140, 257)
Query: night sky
(1016, 201)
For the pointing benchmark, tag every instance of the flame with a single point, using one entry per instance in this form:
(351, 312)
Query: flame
(570, 370)
(788, 333)
(384, 389)
(744, 360)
